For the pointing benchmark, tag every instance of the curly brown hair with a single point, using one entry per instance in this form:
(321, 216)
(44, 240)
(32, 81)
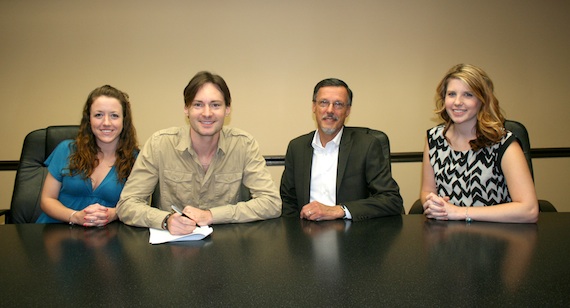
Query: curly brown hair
(490, 128)
(84, 159)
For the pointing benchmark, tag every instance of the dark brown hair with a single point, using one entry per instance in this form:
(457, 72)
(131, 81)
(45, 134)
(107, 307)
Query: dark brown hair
(199, 80)
(332, 82)
(84, 159)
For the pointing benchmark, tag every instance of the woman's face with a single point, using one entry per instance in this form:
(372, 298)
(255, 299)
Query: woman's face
(461, 104)
(106, 120)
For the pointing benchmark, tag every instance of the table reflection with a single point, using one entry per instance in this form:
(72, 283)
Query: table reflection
(400, 261)
(336, 255)
(477, 259)
(325, 246)
(59, 239)
(83, 257)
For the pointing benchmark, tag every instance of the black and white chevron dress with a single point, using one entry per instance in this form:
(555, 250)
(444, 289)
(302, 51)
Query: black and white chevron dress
(469, 178)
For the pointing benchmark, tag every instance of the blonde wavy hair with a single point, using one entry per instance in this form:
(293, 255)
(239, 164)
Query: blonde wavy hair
(490, 128)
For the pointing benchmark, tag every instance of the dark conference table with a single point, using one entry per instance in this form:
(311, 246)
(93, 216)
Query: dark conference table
(393, 261)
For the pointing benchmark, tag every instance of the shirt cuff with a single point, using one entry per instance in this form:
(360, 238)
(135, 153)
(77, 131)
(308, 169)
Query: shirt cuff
(221, 215)
(347, 214)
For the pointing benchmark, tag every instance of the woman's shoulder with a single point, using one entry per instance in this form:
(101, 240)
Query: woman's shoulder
(61, 152)
(436, 131)
(66, 146)
(507, 136)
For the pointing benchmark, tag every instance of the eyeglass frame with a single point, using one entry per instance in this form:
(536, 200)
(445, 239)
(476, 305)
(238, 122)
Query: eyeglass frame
(337, 105)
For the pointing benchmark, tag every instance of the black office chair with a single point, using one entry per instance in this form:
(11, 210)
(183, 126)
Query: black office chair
(521, 133)
(31, 172)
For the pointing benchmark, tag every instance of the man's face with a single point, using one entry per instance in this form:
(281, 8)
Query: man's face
(331, 109)
(207, 111)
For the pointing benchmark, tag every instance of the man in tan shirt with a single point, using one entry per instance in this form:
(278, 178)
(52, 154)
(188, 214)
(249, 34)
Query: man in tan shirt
(202, 169)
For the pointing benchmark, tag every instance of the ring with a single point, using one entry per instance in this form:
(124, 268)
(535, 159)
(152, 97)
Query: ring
(92, 221)
(309, 213)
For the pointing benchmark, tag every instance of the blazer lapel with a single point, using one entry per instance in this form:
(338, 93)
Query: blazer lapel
(307, 164)
(343, 154)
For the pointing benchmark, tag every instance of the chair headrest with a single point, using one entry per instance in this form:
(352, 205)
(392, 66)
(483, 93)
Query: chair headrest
(56, 134)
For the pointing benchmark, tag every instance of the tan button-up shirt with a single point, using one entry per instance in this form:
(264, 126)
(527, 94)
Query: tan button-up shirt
(168, 162)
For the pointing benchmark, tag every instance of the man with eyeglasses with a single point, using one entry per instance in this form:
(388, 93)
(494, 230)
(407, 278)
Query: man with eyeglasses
(337, 172)
(209, 171)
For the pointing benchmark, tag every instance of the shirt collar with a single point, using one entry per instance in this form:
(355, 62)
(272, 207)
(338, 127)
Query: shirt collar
(185, 143)
(335, 141)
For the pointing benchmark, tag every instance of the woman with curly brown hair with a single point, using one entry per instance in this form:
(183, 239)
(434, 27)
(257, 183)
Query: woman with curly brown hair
(86, 175)
(472, 169)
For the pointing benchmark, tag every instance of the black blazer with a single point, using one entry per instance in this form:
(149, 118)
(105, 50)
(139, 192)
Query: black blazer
(364, 177)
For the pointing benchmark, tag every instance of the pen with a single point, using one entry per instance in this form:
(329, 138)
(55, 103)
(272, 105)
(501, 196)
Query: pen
(177, 210)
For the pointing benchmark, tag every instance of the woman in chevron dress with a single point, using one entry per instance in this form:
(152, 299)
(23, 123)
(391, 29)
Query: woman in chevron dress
(473, 168)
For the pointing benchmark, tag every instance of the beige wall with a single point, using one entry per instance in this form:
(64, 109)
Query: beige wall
(271, 53)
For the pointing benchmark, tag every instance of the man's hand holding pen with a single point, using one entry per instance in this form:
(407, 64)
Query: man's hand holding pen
(186, 220)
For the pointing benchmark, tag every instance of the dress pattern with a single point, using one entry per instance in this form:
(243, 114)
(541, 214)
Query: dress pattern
(469, 178)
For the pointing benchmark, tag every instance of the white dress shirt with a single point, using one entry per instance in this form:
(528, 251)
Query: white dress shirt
(324, 170)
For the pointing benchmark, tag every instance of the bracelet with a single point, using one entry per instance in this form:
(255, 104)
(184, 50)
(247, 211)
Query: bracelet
(71, 222)
(467, 218)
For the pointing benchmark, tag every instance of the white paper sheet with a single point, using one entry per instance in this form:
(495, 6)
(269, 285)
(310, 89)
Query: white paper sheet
(163, 236)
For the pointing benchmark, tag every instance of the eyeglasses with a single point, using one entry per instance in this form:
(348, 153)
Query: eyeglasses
(336, 105)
